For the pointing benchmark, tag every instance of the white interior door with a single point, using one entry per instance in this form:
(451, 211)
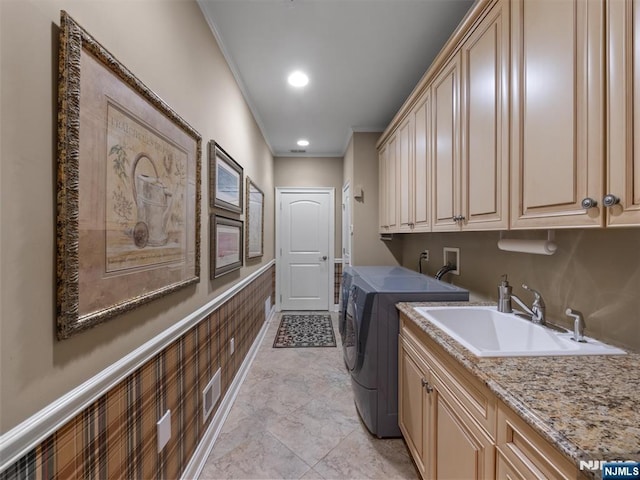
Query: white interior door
(346, 225)
(305, 237)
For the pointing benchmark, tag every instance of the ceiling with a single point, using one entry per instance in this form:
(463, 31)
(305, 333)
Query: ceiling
(363, 58)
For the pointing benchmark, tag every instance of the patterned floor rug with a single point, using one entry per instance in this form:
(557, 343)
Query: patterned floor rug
(305, 330)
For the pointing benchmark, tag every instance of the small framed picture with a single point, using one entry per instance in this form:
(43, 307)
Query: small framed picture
(255, 220)
(226, 243)
(225, 180)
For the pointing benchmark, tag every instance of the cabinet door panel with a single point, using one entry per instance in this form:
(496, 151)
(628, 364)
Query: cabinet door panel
(391, 197)
(422, 161)
(382, 190)
(549, 104)
(623, 156)
(446, 131)
(405, 180)
(485, 169)
(412, 411)
(462, 450)
(557, 112)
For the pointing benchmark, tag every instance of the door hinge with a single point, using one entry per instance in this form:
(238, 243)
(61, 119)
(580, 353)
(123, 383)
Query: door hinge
(280, 298)
(280, 252)
(343, 206)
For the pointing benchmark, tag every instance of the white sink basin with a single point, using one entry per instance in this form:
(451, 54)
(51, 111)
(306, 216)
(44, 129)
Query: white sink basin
(489, 333)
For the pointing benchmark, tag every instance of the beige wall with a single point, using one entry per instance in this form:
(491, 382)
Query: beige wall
(169, 46)
(594, 271)
(361, 170)
(313, 172)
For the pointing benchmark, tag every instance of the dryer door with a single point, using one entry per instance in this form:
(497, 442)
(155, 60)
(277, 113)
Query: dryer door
(350, 342)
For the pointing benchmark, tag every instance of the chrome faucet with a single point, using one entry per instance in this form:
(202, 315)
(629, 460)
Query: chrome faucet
(578, 324)
(538, 308)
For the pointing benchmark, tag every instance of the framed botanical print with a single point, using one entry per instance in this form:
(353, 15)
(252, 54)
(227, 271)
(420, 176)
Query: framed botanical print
(225, 180)
(128, 188)
(226, 243)
(255, 221)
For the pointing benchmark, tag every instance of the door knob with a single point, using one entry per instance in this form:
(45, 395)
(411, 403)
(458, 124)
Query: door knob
(588, 202)
(324, 257)
(610, 200)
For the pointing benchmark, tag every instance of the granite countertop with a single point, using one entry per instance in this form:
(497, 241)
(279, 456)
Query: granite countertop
(587, 406)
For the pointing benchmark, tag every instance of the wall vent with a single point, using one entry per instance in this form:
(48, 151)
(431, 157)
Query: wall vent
(210, 396)
(298, 150)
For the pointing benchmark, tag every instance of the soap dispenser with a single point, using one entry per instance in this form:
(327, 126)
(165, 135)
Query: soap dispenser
(504, 296)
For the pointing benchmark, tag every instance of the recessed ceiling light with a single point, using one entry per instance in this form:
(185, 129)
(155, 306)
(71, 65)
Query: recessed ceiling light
(298, 79)
(303, 143)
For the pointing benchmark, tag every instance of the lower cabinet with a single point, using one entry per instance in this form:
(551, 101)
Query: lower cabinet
(442, 435)
(456, 428)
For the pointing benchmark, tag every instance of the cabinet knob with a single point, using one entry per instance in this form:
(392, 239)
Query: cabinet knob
(588, 202)
(426, 386)
(610, 200)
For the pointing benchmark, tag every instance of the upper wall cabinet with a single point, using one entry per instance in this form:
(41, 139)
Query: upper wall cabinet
(527, 119)
(388, 174)
(485, 123)
(471, 130)
(421, 115)
(445, 91)
(405, 179)
(406, 175)
(382, 190)
(557, 116)
(413, 150)
(623, 114)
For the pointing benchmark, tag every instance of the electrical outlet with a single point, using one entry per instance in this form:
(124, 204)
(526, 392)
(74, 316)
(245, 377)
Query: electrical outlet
(164, 430)
(232, 346)
(424, 255)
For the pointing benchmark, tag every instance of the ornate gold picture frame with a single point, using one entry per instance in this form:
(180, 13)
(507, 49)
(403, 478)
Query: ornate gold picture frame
(128, 189)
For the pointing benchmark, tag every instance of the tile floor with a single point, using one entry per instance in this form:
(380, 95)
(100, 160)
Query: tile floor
(294, 417)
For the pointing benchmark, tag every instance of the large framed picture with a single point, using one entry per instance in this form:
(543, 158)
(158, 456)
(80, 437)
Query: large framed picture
(128, 189)
(225, 180)
(226, 241)
(255, 221)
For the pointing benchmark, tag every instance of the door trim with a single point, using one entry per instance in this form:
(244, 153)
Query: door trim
(332, 227)
(346, 228)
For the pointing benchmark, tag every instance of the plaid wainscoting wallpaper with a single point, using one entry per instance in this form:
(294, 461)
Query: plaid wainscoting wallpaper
(337, 281)
(115, 437)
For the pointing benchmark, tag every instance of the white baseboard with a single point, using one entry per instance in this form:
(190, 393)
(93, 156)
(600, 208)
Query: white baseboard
(199, 457)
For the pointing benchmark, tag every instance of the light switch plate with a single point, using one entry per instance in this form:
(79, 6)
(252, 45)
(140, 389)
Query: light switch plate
(164, 430)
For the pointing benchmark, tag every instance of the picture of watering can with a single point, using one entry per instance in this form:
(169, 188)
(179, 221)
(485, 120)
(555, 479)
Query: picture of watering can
(153, 202)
